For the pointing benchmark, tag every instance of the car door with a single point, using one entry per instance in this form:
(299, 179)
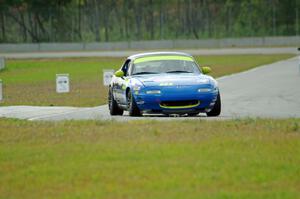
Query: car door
(121, 83)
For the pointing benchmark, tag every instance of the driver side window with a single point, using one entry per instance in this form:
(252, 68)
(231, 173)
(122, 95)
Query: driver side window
(125, 67)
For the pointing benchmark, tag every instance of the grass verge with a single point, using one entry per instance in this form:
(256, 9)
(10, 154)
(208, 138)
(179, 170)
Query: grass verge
(32, 82)
(250, 158)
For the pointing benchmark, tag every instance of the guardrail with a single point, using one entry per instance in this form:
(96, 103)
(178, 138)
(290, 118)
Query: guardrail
(157, 44)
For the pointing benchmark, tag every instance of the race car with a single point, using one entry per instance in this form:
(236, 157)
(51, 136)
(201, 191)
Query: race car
(163, 83)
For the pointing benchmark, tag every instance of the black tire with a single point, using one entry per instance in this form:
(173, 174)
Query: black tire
(216, 110)
(112, 105)
(131, 105)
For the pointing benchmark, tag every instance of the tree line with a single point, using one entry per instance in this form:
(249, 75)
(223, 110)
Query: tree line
(125, 20)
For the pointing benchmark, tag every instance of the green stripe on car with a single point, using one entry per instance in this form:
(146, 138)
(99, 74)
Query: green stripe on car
(155, 58)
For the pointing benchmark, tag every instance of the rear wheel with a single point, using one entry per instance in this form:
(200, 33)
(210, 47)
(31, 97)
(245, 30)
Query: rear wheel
(112, 105)
(216, 110)
(131, 105)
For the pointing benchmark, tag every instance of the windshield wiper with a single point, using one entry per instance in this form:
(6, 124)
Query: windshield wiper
(143, 73)
(178, 71)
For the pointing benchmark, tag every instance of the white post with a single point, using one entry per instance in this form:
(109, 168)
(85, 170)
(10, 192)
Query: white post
(1, 95)
(62, 83)
(107, 76)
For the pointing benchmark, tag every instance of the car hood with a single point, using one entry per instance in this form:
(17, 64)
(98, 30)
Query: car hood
(173, 79)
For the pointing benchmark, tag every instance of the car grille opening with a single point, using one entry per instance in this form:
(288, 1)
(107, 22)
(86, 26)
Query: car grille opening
(178, 104)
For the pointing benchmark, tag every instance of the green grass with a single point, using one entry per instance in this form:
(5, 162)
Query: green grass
(32, 82)
(251, 158)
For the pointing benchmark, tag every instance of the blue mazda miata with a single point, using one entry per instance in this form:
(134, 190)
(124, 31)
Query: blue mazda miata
(163, 83)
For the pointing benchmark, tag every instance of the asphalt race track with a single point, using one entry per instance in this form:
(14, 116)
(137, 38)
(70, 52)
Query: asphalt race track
(270, 91)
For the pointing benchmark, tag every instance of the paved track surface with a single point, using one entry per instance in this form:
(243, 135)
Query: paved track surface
(270, 91)
(219, 51)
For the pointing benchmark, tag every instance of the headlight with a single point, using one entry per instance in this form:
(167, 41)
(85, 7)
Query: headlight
(204, 90)
(153, 92)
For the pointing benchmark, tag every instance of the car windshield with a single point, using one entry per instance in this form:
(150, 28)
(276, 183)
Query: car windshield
(164, 66)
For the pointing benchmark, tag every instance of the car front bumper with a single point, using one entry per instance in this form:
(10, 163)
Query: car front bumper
(155, 103)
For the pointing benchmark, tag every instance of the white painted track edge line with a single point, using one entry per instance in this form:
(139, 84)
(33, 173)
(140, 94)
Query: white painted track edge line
(60, 114)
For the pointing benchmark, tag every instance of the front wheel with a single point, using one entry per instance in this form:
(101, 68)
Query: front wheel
(131, 105)
(112, 105)
(216, 110)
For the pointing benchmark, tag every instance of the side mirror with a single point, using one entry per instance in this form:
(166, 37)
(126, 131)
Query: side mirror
(119, 73)
(206, 69)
